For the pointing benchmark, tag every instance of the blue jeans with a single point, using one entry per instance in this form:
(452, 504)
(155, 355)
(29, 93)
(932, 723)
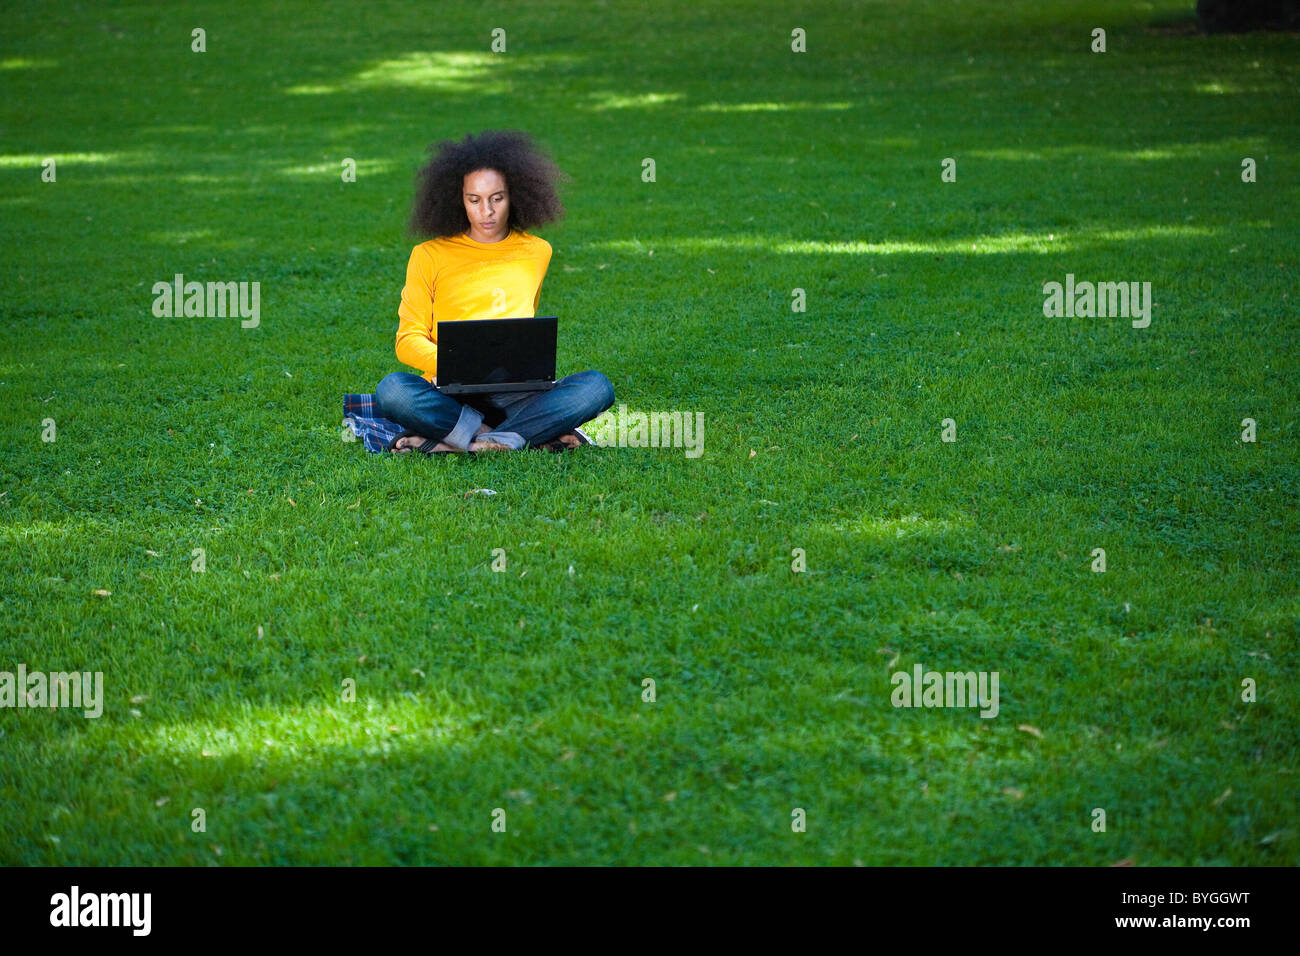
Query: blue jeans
(517, 419)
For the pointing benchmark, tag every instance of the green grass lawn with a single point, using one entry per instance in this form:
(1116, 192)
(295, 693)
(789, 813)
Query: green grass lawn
(522, 689)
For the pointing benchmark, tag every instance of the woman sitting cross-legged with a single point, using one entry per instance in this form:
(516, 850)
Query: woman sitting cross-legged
(477, 198)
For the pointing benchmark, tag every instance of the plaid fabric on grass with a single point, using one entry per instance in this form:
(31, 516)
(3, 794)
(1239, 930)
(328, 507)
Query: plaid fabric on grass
(375, 432)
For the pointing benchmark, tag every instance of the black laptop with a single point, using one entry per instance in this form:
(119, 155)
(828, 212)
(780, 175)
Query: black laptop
(496, 355)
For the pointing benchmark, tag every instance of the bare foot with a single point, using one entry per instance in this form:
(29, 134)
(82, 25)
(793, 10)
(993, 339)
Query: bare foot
(571, 440)
(488, 446)
(408, 442)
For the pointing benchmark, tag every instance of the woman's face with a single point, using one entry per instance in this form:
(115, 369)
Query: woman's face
(487, 204)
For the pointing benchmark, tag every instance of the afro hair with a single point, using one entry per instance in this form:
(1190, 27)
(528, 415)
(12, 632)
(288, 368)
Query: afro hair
(531, 178)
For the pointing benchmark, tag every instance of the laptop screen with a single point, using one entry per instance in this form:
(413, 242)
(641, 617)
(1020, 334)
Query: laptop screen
(492, 351)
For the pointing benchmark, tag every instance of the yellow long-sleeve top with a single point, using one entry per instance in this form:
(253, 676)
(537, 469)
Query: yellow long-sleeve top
(456, 277)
